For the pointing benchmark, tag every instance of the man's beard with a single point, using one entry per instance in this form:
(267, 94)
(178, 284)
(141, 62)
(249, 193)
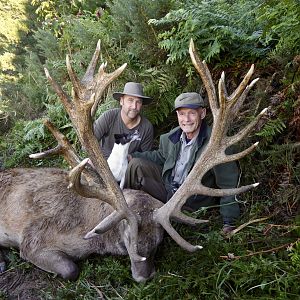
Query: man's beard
(132, 113)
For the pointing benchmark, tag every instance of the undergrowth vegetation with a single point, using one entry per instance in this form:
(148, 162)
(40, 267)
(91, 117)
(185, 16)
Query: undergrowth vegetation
(262, 260)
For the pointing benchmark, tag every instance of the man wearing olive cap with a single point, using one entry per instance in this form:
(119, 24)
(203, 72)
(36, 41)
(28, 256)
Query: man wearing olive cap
(126, 119)
(161, 172)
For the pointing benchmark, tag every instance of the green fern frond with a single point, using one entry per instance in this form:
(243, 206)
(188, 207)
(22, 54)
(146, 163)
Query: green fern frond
(283, 154)
(271, 128)
(215, 26)
(295, 254)
(34, 130)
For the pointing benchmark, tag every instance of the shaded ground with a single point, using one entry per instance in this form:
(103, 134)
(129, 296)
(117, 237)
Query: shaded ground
(24, 283)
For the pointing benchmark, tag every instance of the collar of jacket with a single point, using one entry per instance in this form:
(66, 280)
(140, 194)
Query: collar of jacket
(174, 137)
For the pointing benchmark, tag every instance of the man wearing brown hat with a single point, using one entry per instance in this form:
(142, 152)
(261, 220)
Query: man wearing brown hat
(126, 119)
(161, 172)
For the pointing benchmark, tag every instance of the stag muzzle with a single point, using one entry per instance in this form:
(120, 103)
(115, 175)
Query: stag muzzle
(143, 270)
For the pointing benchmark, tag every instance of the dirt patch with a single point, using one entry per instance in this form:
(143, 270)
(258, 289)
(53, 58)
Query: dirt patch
(23, 284)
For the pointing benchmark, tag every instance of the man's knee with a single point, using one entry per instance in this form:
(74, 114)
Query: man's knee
(134, 174)
(135, 162)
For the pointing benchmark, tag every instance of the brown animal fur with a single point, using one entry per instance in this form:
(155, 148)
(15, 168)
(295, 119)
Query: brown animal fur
(47, 222)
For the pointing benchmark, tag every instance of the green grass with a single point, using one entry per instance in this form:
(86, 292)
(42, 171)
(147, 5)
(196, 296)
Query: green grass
(205, 274)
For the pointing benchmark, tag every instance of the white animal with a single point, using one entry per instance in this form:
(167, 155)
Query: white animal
(117, 160)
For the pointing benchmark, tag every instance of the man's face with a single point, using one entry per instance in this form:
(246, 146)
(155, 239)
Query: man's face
(190, 120)
(131, 106)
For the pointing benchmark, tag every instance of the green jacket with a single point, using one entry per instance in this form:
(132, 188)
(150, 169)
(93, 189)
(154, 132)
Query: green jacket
(221, 176)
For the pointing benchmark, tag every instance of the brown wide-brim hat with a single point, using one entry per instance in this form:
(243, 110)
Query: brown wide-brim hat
(133, 89)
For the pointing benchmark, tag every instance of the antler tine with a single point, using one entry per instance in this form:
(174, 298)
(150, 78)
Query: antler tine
(164, 220)
(180, 217)
(87, 191)
(205, 74)
(102, 81)
(214, 153)
(77, 87)
(222, 92)
(65, 148)
(237, 93)
(90, 85)
(239, 103)
(245, 131)
(244, 94)
(58, 90)
(218, 193)
(230, 106)
(54, 151)
(89, 74)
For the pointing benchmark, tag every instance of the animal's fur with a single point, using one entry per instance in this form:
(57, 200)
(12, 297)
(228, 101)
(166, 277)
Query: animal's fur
(117, 160)
(47, 222)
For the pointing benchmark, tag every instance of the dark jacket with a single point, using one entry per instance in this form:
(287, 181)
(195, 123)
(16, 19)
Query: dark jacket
(221, 176)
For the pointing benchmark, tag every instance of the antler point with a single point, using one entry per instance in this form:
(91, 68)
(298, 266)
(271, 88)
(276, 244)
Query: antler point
(98, 44)
(192, 46)
(84, 161)
(223, 75)
(47, 73)
(90, 234)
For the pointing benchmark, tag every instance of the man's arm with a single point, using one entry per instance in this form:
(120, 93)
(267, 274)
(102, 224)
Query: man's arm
(156, 156)
(101, 127)
(147, 139)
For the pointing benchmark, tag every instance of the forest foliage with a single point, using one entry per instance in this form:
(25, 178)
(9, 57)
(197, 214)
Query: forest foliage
(153, 38)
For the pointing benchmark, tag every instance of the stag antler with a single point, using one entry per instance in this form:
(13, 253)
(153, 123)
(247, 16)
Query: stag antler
(86, 95)
(65, 149)
(223, 110)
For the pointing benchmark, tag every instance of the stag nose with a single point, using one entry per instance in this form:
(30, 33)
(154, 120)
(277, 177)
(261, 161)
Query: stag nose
(143, 270)
(142, 279)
